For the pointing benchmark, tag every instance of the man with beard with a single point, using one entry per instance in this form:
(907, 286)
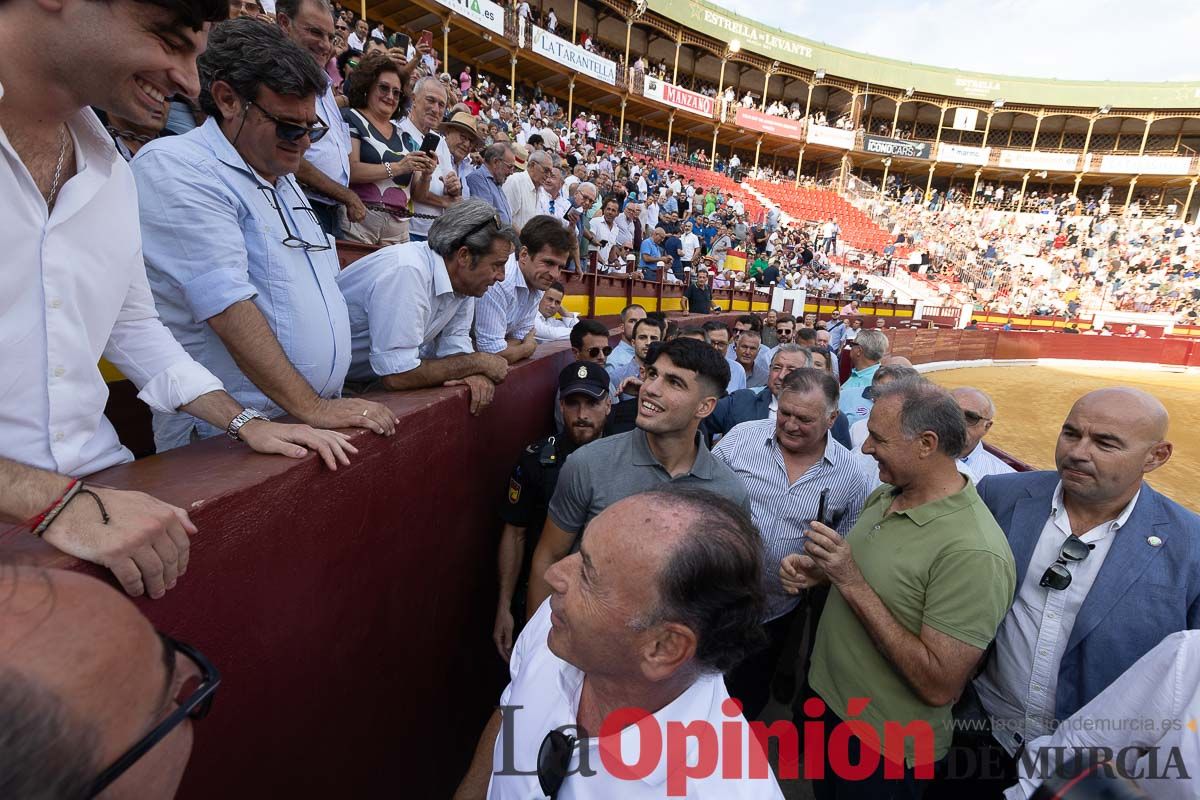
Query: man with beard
(683, 379)
(583, 403)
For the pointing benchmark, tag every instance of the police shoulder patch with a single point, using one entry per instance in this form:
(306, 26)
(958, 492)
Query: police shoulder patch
(514, 491)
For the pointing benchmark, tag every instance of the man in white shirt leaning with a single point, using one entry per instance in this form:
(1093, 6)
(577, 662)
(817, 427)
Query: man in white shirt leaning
(980, 413)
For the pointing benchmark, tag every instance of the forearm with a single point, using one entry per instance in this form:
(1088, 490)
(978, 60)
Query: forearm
(902, 648)
(512, 545)
(372, 173)
(435, 372)
(216, 408)
(27, 490)
(318, 181)
(245, 333)
(474, 784)
(518, 350)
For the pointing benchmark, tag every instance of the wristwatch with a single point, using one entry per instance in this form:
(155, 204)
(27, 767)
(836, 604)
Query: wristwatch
(235, 425)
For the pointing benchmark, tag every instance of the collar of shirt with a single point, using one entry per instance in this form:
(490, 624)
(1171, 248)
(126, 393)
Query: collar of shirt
(441, 276)
(869, 372)
(928, 512)
(643, 456)
(1058, 511)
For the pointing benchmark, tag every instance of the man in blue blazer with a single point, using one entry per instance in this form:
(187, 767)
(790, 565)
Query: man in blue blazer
(1106, 568)
(744, 405)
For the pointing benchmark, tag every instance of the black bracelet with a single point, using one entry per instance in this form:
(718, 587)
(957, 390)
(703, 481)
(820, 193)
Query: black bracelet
(104, 518)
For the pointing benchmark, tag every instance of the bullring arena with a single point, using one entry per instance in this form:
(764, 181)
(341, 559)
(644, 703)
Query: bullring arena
(1032, 237)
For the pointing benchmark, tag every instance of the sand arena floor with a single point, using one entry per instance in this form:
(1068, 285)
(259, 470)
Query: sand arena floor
(1032, 402)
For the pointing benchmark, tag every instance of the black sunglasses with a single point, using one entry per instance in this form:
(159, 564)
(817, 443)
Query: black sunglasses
(494, 219)
(975, 419)
(290, 131)
(290, 239)
(1057, 576)
(595, 351)
(196, 707)
(553, 761)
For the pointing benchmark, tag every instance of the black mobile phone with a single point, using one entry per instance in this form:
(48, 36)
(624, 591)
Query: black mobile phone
(823, 508)
(429, 144)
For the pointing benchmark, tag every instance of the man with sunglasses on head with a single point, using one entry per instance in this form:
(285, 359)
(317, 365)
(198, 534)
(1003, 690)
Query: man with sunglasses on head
(1106, 569)
(325, 170)
(980, 414)
(94, 699)
(583, 403)
(411, 306)
(241, 271)
(75, 286)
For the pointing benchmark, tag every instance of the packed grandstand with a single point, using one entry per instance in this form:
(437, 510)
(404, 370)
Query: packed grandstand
(417, 259)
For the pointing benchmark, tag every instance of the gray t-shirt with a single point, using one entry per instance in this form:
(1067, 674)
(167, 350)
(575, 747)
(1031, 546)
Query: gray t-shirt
(615, 467)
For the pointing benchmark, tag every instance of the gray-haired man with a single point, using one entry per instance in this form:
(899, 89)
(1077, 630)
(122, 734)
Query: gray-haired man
(487, 183)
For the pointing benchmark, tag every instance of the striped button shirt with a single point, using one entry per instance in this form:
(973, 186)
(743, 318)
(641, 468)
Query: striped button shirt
(506, 311)
(781, 509)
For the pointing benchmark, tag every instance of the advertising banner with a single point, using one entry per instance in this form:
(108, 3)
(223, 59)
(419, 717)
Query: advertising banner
(768, 123)
(573, 57)
(886, 146)
(961, 154)
(1145, 165)
(1027, 159)
(481, 12)
(965, 119)
(671, 95)
(834, 137)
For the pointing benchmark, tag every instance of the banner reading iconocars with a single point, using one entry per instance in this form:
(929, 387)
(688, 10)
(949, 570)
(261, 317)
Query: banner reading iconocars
(576, 58)
(886, 146)
(671, 95)
(768, 123)
(481, 12)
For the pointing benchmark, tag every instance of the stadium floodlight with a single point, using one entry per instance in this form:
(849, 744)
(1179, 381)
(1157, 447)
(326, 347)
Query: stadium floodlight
(735, 46)
(997, 103)
(887, 162)
(1104, 109)
(909, 91)
(819, 74)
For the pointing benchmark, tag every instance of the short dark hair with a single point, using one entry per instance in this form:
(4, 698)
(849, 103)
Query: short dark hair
(925, 406)
(247, 54)
(753, 320)
(808, 379)
(362, 79)
(654, 322)
(557, 287)
(625, 311)
(587, 327)
(714, 325)
(545, 231)
(700, 358)
(291, 8)
(45, 750)
(192, 14)
(806, 335)
(785, 317)
(712, 581)
(694, 330)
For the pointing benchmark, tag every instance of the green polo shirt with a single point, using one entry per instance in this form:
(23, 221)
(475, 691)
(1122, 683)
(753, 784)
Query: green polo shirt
(945, 564)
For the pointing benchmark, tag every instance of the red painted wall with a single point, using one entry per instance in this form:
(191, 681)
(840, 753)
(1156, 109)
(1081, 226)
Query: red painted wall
(926, 346)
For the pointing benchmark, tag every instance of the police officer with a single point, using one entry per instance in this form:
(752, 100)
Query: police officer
(584, 402)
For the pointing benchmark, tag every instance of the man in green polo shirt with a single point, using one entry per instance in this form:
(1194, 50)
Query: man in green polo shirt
(919, 588)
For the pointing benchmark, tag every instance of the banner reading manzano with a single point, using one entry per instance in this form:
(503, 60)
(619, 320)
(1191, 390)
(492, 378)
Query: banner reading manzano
(672, 95)
(886, 146)
(719, 23)
(563, 52)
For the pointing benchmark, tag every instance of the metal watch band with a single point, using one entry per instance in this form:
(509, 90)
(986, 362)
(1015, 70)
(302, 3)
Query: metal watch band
(235, 425)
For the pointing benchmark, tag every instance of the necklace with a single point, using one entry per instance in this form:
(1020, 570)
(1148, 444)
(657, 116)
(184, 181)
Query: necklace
(140, 138)
(62, 156)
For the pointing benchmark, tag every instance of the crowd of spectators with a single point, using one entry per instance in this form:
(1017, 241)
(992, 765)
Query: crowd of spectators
(193, 244)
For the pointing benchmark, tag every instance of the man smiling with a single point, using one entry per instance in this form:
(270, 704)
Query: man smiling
(683, 379)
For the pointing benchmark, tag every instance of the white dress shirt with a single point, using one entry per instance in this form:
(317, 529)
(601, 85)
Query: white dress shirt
(553, 329)
(603, 233)
(75, 289)
(507, 310)
(522, 198)
(982, 463)
(331, 154)
(1161, 693)
(544, 694)
(1019, 684)
(403, 309)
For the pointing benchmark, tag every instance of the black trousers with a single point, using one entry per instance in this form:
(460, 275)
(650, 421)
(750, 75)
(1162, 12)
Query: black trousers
(976, 767)
(750, 681)
(871, 787)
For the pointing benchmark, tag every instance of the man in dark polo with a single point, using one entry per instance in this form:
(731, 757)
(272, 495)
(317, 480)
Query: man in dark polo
(697, 298)
(683, 380)
(583, 404)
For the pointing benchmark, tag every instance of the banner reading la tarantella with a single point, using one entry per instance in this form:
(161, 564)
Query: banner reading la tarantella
(902, 148)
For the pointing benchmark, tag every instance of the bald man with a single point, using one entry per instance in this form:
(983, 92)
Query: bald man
(1106, 568)
(980, 414)
(83, 679)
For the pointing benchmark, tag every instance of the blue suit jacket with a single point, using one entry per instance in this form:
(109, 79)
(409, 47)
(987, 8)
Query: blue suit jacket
(1142, 593)
(746, 404)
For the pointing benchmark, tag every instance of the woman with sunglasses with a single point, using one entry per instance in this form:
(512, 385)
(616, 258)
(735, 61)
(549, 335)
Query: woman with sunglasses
(380, 171)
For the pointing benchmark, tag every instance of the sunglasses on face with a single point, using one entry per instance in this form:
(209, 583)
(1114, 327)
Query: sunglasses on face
(1057, 576)
(594, 352)
(390, 91)
(290, 131)
(975, 419)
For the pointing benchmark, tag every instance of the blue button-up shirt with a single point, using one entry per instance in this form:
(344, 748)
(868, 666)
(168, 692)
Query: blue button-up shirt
(211, 237)
(482, 185)
(331, 154)
(852, 402)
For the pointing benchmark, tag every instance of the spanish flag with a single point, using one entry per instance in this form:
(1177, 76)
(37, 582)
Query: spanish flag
(735, 260)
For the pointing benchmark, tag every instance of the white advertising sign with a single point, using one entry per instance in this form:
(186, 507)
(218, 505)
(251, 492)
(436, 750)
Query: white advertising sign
(1145, 165)
(966, 119)
(961, 154)
(573, 57)
(481, 12)
(834, 137)
(1032, 159)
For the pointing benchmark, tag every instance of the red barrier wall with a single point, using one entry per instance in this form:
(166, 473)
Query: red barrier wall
(927, 346)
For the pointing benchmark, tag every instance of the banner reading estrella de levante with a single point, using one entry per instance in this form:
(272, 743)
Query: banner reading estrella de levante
(671, 95)
(573, 57)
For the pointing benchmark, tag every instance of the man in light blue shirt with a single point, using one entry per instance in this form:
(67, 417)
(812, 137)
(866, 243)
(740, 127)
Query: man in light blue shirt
(241, 272)
(866, 351)
(325, 171)
(651, 254)
(623, 353)
(487, 181)
(505, 315)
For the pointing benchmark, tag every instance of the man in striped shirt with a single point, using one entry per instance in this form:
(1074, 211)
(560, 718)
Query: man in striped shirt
(786, 464)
